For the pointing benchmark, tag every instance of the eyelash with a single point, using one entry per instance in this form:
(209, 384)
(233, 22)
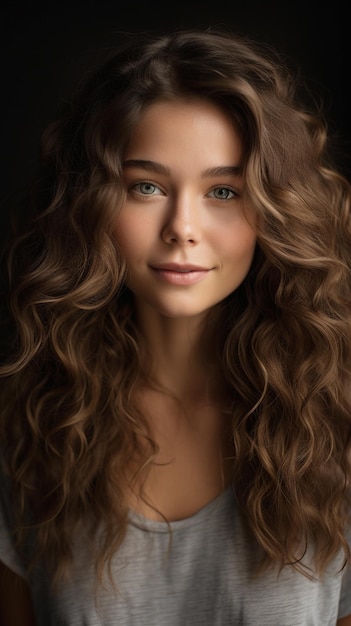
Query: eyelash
(136, 187)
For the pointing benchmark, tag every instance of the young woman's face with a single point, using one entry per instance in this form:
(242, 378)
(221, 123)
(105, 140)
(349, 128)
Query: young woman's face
(184, 229)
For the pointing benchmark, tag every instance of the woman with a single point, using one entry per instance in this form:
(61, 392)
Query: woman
(175, 406)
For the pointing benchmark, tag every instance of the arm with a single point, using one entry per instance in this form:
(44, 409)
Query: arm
(344, 621)
(15, 601)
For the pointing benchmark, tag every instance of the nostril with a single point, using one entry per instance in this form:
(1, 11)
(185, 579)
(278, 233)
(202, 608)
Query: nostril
(180, 240)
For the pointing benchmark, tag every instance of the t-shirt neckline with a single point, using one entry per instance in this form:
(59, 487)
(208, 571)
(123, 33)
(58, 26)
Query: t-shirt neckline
(219, 502)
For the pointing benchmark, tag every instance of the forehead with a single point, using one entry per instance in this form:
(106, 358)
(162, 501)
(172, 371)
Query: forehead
(187, 129)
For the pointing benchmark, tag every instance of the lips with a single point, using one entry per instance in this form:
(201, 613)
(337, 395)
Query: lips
(180, 274)
(179, 267)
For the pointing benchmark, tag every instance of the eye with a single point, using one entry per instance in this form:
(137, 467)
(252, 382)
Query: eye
(145, 188)
(223, 193)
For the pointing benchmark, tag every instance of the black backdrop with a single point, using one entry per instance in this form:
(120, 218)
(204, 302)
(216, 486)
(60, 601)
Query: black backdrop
(45, 48)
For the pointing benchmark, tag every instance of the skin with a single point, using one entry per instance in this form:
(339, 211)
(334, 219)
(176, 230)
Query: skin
(16, 607)
(181, 209)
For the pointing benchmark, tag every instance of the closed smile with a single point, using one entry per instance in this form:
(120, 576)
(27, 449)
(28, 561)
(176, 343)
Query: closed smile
(179, 274)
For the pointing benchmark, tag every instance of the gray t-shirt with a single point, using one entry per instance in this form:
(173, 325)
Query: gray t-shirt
(202, 578)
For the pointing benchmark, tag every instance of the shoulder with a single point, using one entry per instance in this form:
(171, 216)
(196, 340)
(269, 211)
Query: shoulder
(345, 598)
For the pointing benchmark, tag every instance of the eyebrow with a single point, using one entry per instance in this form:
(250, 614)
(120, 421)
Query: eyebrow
(158, 168)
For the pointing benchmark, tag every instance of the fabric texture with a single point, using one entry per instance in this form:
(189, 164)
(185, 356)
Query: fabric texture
(200, 574)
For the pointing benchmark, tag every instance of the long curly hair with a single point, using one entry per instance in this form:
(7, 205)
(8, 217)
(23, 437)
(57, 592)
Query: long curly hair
(69, 424)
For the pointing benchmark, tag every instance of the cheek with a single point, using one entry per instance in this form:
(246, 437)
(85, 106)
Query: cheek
(130, 235)
(239, 245)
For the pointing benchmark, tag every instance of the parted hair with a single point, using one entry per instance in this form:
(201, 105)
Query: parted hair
(69, 424)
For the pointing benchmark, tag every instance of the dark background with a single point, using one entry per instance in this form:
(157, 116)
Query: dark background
(46, 47)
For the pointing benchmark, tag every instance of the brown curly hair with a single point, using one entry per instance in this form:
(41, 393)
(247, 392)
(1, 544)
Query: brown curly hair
(68, 421)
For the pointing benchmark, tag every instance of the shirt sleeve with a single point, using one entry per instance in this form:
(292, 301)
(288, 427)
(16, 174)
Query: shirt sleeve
(345, 594)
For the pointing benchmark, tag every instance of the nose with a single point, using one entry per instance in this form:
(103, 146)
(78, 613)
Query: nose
(182, 223)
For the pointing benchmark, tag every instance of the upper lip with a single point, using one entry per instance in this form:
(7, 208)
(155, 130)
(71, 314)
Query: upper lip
(179, 267)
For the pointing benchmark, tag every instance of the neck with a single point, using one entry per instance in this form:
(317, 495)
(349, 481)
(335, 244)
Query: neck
(183, 355)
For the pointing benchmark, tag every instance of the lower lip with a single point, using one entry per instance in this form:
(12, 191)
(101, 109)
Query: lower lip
(180, 278)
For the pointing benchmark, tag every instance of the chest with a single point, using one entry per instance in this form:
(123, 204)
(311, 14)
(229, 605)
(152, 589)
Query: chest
(192, 465)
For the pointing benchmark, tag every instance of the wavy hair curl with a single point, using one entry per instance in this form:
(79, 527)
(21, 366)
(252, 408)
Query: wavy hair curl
(68, 422)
